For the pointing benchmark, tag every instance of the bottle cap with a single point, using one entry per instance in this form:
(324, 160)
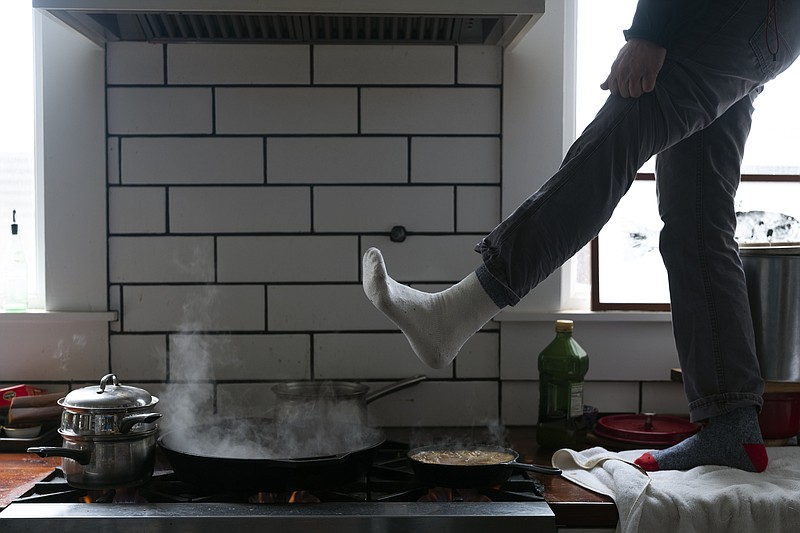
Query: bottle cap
(564, 326)
(14, 227)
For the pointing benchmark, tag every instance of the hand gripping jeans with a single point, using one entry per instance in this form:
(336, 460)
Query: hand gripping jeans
(697, 120)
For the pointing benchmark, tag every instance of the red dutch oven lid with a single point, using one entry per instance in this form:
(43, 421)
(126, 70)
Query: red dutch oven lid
(646, 429)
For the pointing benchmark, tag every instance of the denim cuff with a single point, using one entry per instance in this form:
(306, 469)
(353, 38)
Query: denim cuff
(500, 295)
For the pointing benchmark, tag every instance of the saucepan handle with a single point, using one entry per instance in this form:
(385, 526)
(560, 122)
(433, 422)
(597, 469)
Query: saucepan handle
(80, 456)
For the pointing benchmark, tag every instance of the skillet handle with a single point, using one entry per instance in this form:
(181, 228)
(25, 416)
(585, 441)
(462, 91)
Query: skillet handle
(539, 469)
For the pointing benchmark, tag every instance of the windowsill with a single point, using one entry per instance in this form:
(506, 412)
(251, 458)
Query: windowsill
(584, 316)
(39, 315)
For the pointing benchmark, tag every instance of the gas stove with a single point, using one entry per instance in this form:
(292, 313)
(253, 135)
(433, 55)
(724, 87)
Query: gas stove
(387, 499)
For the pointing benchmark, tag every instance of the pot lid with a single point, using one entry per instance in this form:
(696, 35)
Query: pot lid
(645, 428)
(108, 396)
(782, 248)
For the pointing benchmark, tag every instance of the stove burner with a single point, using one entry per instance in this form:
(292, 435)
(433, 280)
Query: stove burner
(386, 500)
(390, 479)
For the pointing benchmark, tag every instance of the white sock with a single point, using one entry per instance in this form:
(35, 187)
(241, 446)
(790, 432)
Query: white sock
(436, 325)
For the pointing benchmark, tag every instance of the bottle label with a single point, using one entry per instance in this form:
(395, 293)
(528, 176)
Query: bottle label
(576, 399)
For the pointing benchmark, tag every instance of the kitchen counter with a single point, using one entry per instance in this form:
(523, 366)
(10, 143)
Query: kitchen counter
(572, 505)
(19, 471)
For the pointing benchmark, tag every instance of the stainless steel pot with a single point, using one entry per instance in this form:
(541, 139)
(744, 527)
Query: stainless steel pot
(773, 286)
(109, 434)
(342, 401)
(105, 462)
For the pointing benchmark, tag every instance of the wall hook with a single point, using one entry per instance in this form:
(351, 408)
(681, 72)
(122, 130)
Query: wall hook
(398, 234)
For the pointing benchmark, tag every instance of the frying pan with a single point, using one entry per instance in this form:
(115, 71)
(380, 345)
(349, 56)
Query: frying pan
(470, 475)
(264, 474)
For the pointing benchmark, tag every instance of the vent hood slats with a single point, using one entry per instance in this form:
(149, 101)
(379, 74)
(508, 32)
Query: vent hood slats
(495, 22)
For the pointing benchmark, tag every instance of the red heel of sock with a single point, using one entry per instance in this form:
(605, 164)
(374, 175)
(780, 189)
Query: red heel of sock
(758, 456)
(647, 462)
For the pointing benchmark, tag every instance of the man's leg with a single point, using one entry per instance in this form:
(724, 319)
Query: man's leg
(696, 183)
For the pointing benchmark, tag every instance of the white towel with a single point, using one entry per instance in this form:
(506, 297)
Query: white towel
(702, 500)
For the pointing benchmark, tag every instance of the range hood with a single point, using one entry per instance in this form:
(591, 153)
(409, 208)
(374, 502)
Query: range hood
(494, 22)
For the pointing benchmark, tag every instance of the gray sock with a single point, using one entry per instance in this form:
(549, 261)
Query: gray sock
(732, 439)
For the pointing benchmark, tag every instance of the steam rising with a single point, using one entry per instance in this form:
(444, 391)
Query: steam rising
(302, 428)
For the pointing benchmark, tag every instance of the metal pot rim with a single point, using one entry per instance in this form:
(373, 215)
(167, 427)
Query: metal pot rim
(95, 438)
(767, 249)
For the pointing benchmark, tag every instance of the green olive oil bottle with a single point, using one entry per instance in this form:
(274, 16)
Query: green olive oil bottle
(562, 367)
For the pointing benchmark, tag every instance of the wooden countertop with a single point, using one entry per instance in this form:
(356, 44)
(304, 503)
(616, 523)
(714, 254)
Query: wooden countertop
(19, 472)
(573, 506)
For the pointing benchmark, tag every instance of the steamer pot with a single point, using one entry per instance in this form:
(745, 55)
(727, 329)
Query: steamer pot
(109, 434)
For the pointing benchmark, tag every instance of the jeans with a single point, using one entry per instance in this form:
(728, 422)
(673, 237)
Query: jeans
(697, 120)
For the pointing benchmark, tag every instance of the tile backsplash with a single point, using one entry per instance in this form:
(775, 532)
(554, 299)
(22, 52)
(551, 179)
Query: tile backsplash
(244, 184)
(246, 181)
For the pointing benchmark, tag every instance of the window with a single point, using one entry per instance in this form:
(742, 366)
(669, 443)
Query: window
(627, 247)
(17, 177)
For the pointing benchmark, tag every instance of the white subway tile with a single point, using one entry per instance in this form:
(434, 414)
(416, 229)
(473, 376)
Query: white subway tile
(239, 357)
(455, 159)
(380, 208)
(159, 110)
(520, 406)
(430, 110)
(160, 259)
(134, 63)
(182, 404)
(611, 396)
(287, 259)
(322, 308)
(664, 398)
(137, 210)
(193, 308)
(239, 209)
(139, 357)
(273, 110)
(377, 64)
(147, 160)
(480, 64)
(439, 403)
(115, 304)
(368, 356)
(337, 160)
(477, 209)
(112, 160)
(480, 357)
(427, 257)
(234, 64)
(59, 351)
(521, 343)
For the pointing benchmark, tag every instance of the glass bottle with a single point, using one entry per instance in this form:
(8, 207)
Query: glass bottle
(15, 272)
(562, 367)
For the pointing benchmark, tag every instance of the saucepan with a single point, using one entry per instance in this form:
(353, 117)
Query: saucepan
(344, 400)
(468, 466)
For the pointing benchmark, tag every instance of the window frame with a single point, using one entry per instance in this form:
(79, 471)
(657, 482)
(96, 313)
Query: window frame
(597, 305)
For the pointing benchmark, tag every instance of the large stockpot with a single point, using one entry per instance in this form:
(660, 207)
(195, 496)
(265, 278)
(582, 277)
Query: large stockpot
(109, 434)
(773, 286)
